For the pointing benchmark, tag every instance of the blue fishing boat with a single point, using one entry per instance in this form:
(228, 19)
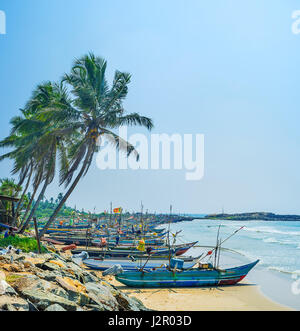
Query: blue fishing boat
(198, 277)
(129, 265)
(177, 250)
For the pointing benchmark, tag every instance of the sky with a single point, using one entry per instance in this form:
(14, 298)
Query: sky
(227, 69)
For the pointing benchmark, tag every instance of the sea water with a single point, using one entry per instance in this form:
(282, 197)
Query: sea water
(276, 244)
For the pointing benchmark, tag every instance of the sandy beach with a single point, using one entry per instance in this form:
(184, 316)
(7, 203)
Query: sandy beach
(242, 297)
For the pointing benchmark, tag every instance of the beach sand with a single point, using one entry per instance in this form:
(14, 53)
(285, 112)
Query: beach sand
(242, 297)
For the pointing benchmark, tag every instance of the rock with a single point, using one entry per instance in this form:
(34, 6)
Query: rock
(55, 307)
(34, 283)
(87, 277)
(42, 293)
(9, 307)
(13, 303)
(136, 304)
(2, 275)
(52, 282)
(76, 291)
(95, 302)
(19, 258)
(48, 266)
(95, 307)
(4, 259)
(74, 266)
(32, 307)
(6, 289)
(102, 296)
(13, 267)
(28, 265)
(43, 300)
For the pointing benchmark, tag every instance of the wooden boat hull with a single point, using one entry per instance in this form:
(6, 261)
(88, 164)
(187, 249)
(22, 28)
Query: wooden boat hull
(129, 265)
(188, 278)
(116, 253)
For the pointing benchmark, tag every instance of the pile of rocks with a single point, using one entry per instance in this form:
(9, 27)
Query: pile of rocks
(52, 282)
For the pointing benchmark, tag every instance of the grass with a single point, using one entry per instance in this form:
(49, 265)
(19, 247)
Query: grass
(24, 243)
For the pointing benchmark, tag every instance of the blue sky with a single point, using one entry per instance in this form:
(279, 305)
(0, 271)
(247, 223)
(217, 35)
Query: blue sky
(227, 69)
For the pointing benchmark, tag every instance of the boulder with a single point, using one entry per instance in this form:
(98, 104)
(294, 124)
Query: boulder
(2, 275)
(12, 267)
(6, 289)
(55, 307)
(102, 295)
(75, 290)
(43, 300)
(13, 303)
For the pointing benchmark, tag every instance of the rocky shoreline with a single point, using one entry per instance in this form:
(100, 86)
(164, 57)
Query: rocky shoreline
(53, 282)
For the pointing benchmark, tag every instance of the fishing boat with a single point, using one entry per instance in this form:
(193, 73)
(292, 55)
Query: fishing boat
(177, 250)
(132, 242)
(199, 277)
(130, 265)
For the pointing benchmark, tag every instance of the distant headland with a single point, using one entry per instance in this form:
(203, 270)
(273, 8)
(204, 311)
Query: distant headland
(256, 216)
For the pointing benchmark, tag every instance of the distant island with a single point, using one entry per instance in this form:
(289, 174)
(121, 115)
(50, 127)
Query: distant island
(256, 216)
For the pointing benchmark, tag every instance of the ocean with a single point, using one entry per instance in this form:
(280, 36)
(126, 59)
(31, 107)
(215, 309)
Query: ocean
(275, 244)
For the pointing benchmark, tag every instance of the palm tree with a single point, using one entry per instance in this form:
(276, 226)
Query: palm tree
(51, 139)
(60, 197)
(10, 188)
(37, 142)
(29, 174)
(94, 112)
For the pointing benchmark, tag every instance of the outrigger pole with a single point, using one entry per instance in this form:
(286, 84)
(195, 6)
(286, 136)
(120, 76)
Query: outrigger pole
(221, 243)
(216, 251)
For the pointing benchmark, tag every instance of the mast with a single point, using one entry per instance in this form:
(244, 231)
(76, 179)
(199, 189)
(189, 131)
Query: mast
(217, 247)
(141, 219)
(169, 243)
(220, 244)
(110, 215)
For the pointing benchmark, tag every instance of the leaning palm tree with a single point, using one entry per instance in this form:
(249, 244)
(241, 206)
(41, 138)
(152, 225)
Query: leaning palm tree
(36, 142)
(94, 112)
(49, 144)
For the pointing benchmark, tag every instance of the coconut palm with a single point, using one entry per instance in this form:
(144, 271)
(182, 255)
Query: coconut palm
(10, 188)
(37, 142)
(51, 141)
(94, 112)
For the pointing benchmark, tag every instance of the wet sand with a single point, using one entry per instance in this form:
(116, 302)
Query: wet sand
(242, 297)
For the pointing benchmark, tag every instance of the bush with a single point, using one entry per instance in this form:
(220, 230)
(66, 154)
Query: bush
(24, 243)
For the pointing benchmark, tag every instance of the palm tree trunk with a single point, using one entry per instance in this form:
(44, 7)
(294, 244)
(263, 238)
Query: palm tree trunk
(69, 192)
(30, 202)
(36, 204)
(24, 192)
(20, 183)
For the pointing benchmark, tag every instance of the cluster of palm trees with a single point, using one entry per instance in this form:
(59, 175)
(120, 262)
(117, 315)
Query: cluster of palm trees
(59, 129)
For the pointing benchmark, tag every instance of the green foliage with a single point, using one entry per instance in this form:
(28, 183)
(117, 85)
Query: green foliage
(46, 208)
(9, 188)
(26, 244)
